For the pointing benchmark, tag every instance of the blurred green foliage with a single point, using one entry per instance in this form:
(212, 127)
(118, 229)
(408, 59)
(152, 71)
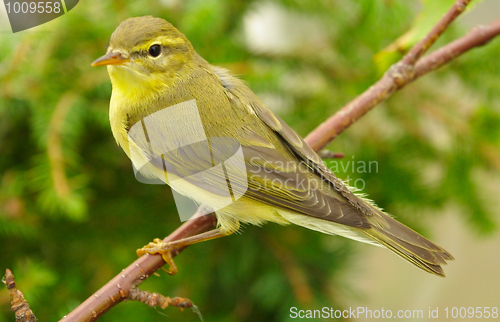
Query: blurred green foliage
(72, 214)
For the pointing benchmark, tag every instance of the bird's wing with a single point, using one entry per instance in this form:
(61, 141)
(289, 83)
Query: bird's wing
(345, 207)
(307, 155)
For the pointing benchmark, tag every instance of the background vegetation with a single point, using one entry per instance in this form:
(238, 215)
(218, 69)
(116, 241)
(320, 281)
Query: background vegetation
(72, 214)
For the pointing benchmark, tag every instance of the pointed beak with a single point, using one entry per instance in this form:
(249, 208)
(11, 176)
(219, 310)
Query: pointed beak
(111, 58)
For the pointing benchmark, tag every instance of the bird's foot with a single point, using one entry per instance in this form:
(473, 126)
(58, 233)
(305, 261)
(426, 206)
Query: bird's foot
(158, 246)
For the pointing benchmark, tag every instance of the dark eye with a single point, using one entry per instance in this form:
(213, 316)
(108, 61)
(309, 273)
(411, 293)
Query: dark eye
(154, 51)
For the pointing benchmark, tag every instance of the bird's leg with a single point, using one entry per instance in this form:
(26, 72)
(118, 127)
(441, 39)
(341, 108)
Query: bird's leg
(158, 246)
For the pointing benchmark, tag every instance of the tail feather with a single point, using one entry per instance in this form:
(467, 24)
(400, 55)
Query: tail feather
(409, 245)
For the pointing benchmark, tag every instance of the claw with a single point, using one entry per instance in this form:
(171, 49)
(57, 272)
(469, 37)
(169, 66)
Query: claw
(157, 246)
(164, 249)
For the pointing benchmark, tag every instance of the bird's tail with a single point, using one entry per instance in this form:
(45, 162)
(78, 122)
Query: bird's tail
(408, 244)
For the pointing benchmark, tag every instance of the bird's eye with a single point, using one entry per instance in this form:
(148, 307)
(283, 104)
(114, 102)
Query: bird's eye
(154, 51)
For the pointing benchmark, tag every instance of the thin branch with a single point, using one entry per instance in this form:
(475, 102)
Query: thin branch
(407, 70)
(18, 303)
(326, 154)
(118, 289)
(394, 79)
(156, 299)
(422, 46)
(478, 36)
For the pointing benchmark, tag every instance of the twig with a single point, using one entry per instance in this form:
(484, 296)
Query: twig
(422, 46)
(18, 303)
(156, 299)
(407, 70)
(118, 289)
(327, 154)
(478, 36)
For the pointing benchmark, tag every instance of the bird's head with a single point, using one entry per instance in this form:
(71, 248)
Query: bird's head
(146, 55)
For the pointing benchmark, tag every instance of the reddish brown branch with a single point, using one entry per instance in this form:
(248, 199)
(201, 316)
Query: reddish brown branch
(407, 70)
(118, 289)
(326, 154)
(156, 299)
(422, 46)
(18, 303)
(479, 36)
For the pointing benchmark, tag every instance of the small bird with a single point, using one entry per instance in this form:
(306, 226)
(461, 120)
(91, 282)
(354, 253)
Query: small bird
(156, 73)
